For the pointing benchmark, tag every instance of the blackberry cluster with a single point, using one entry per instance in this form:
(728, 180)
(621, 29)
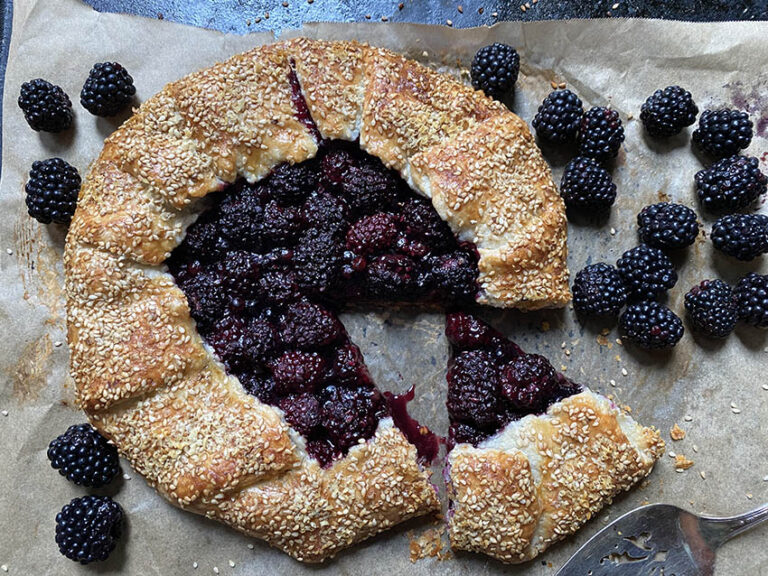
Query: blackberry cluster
(52, 190)
(559, 117)
(742, 236)
(666, 112)
(667, 225)
(88, 528)
(600, 133)
(84, 456)
(752, 299)
(723, 132)
(647, 272)
(598, 290)
(731, 184)
(494, 69)
(711, 307)
(107, 90)
(528, 382)
(46, 106)
(651, 325)
(587, 185)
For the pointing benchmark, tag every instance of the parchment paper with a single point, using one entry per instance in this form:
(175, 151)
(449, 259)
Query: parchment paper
(714, 391)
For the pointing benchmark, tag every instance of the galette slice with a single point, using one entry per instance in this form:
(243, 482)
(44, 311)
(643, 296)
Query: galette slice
(533, 456)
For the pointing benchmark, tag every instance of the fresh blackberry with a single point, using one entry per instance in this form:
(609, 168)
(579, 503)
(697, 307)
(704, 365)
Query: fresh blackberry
(731, 184)
(52, 190)
(711, 307)
(391, 276)
(107, 90)
(494, 69)
(46, 106)
(559, 117)
(587, 185)
(651, 325)
(742, 236)
(598, 290)
(752, 299)
(528, 382)
(723, 132)
(646, 271)
(88, 528)
(667, 225)
(668, 111)
(600, 133)
(84, 456)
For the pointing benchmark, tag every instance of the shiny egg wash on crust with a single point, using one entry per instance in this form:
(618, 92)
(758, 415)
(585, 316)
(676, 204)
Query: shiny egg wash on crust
(204, 331)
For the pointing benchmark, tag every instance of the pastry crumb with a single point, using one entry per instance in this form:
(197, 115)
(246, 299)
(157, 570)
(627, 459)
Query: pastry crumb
(682, 463)
(427, 545)
(676, 433)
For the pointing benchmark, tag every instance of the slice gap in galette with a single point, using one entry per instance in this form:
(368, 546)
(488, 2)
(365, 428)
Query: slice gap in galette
(532, 455)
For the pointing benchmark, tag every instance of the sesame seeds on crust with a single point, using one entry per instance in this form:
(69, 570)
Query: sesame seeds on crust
(311, 513)
(579, 456)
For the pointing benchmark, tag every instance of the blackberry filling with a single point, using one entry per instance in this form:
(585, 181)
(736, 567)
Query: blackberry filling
(267, 267)
(492, 382)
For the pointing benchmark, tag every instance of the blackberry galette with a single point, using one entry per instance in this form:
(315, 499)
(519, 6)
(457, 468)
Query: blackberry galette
(226, 224)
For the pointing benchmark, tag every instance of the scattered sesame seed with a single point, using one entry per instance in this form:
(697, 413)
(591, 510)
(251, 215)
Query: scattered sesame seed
(449, 22)
(384, 18)
(562, 345)
(231, 564)
(258, 19)
(613, 231)
(688, 418)
(215, 569)
(285, 4)
(765, 478)
(624, 372)
(126, 476)
(765, 386)
(8, 251)
(194, 565)
(615, 6)
(735, 410)
(4, 568)
(672, 454)
(367, 16)
(619, 341)
(567, 352)
(695, 448)
(733, 405)
(495, 14)
(522, 7)
(4, 412)
(749, 496)
(612, 382)
(561, 85)
(460, 8)
(57, 344)
(250, 546)
(703, 474)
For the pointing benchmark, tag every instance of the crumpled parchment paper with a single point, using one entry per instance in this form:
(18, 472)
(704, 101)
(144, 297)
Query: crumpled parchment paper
(714, 391)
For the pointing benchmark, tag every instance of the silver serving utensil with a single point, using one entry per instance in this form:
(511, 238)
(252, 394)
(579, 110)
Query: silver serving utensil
(658, 540)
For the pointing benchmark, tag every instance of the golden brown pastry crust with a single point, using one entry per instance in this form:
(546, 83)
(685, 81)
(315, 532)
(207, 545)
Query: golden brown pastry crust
(541, 478)
(143, 374)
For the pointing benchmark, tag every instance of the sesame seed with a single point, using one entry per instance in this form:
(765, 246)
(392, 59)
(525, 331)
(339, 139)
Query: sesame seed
(735, 410)
(250, 546)
(612, 383)
(57, 344)
(613, 231)
(4, 568)
(9, 251)
(765, 478)
(688, 418)
(215, 569)
(449, 22)
(194, 565)
(703, 474)
(749, 496)
(126, 476)
(231, 564)
(624, 372)
(765, 386)
(460, 8)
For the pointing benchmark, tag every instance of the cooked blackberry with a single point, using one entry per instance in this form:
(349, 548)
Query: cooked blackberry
(651, 325)
(46, 106)
(107, 90)
(752, 299)
(351, 414)
(711, 306)
(84, 456)
(391, 276)
(587, 185)
(646, 271)
(420, 222)
(528, 382)
(369, 187)
(600, 133)
(494, 69)
(308, 326)
(317, 258)
(667, 225)
(666, 112)
(473, 388)
(454, 275)
(349, 368)
(52, 190)
(723, 132)
(296, 372)
(598, 290)
(465, 332)
(302, 412)
(742, 236)
(292, 183)
(372, 234)
(731, 184)
(559, 117)
(88, 528)
(260, 385)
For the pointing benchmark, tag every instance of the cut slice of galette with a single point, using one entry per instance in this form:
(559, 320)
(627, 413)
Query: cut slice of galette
(533, 455)
(225, 225)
